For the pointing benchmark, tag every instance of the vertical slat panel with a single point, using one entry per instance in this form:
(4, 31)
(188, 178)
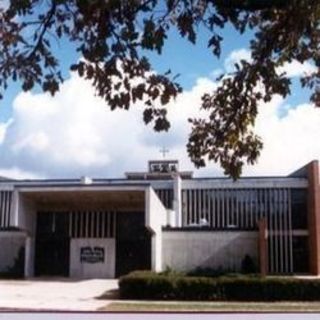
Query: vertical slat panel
(115, 216)
(92, 224)
(251, 197)
(200, 206)
(238, 203)
(70, 223)
(275, 228)
(286, 209)
(109, 225)
(194, 206)
(213, 209)
(286, 229)
(281, 229)
(190, 194)
(184, 207)
(9, 208)
(290, 230)
(85, 221)
(7, 212)
(76, 225)
(209, 207)
(4, 208)
(1, 210)
(218, 211)
(270, 227)
(229, 207)
(223, 198)
(204, 205)
(96, 225)
(103, 224)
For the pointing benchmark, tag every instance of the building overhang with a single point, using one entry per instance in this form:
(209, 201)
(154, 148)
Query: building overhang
(120, 198)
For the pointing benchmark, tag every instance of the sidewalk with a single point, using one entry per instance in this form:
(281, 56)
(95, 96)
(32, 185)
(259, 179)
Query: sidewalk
(55, 294)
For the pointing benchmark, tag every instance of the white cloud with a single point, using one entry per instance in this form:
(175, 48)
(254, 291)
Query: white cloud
(18, 174)
(75, 134)
(297, 69)
(289, 142)
(292, 69)
(235, 57)
(4, 4)
(3, 130)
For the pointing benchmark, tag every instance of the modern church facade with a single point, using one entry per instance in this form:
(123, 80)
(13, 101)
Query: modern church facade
(158, 219)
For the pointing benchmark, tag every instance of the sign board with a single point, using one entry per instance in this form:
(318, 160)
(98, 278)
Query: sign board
(92, 254)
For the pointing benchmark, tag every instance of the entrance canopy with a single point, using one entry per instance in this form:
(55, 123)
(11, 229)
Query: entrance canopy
(62, 198)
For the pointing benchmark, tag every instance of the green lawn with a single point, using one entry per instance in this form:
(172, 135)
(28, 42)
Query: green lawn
(174, 306)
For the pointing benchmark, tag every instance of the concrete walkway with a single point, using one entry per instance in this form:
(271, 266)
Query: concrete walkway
(55, 294)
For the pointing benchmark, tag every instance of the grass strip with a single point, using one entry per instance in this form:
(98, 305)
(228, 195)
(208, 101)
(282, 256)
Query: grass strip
(213, 307)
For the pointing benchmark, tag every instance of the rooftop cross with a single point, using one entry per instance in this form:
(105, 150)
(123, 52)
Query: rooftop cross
(164, 151)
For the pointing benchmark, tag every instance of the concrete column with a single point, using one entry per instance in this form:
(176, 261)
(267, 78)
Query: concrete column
(14, 214)
(155, 219)
(177, 200)
(156, 257)
(314, 217)
(263, 246)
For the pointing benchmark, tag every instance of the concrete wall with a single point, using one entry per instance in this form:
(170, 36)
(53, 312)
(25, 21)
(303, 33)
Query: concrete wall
(105, 269)
(156, 216)
(187, 250)
(10, 244)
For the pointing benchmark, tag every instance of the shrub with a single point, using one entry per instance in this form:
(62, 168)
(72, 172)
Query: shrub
(16, 271)
(149, 285)
(207, 272)
(248, 265)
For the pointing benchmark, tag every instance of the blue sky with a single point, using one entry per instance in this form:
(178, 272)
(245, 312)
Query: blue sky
(75, 133)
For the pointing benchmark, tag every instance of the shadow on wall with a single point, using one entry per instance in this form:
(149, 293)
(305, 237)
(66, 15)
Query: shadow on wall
(236, 255)
(16, 271)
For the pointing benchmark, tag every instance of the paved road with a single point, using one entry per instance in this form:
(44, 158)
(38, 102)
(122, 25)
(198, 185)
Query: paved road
(54, 294)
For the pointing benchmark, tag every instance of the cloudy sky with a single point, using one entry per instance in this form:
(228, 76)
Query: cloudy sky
(76, 134)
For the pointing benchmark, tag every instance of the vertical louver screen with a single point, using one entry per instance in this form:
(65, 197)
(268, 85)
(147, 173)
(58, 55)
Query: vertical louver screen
(5, 208)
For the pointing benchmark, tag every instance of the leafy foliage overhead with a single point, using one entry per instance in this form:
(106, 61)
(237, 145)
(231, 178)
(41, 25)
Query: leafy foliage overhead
(112, 36)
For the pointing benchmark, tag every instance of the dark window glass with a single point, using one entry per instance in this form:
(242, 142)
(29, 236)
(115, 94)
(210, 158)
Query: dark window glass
(299, 208)
(62, 223)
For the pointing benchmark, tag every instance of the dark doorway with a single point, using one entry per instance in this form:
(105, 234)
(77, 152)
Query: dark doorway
(133, 243)
(52, 244)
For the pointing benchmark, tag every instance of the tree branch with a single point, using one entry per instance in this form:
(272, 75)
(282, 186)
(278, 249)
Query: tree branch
(253, 5)
(45, 26)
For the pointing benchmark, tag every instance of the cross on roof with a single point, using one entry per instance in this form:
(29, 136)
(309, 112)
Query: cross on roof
(164, 151)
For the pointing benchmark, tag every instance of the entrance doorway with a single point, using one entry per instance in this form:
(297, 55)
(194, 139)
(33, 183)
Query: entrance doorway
(133, 243)
(52, 244)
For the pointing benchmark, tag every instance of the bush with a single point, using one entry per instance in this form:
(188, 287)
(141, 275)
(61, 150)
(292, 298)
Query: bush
(207, 272)
(248, 265)
(16, 271)
(149, 285)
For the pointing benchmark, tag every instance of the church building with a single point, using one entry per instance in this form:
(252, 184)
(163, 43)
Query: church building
(158, 219)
